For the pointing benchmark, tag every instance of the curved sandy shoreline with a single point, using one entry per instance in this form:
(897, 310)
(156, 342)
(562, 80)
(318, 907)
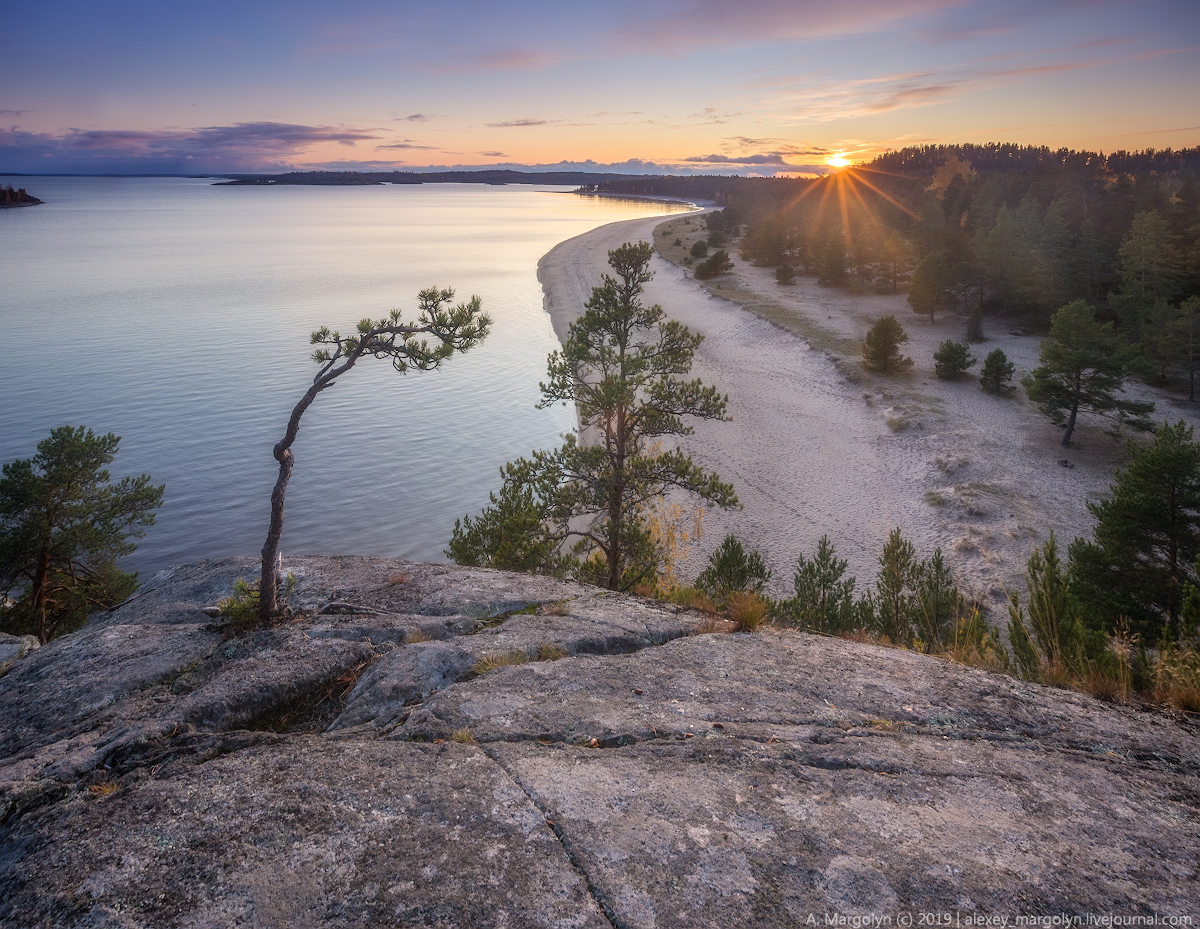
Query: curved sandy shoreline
(818, 448)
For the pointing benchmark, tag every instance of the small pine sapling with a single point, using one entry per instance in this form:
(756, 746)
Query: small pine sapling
(732, 570)
(997, 372)
(881, 348)
(952, 359)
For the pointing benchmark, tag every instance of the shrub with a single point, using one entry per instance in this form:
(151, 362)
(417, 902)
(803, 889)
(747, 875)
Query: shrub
(718, 263)
(881, 348)
(731, 570)
(997, 373)
(700, 249)
(952, 359)
(785, 274)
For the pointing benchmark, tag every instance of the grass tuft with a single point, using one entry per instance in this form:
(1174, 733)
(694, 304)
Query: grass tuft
(748, 610)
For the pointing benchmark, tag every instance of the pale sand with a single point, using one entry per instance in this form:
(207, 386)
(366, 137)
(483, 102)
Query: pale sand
(817, 447)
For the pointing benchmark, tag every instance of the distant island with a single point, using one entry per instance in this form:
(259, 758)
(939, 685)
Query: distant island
(18, 197)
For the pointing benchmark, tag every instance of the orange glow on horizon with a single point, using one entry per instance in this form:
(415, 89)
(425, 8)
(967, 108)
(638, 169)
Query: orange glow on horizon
(837, 161)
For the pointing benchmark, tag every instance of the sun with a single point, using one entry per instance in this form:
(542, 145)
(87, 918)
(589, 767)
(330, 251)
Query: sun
(837, 161)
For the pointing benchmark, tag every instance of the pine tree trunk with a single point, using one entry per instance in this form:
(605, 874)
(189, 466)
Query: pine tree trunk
(269, 575)
(1070, 425)
(38, 594)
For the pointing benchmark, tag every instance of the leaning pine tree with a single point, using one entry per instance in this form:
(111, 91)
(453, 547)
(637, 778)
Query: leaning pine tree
(1085, 364)
(623, 367)
(454, 329)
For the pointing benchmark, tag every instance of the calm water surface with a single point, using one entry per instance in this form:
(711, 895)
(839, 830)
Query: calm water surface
(176, 314)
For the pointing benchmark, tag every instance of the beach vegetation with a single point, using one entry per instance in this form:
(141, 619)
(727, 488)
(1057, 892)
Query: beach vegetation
(64, 523)
(1146, 538)
(731, 570)
(824, 596)
(452, 330)
(748, 609)
(718, 263)
(1084, 365)
(699, 249)
(881, 348)
(587, 507)
(952, 359)
(785, 274)
(996, 375)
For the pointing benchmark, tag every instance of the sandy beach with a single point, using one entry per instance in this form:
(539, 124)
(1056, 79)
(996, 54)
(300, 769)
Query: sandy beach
(819, 447)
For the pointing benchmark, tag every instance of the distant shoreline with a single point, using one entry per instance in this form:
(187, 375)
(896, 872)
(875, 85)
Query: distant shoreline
(646, 197)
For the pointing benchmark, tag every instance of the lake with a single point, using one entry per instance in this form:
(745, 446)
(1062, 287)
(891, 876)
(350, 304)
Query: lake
(176, 314)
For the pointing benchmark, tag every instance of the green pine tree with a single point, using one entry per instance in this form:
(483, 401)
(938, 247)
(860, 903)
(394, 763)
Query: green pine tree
(1146, 538)
(996, 375)
(1084, 366)
(824, 600)
(881, 348)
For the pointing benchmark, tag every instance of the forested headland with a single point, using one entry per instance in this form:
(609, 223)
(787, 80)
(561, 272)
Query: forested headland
(1018, 230)
(18, 197)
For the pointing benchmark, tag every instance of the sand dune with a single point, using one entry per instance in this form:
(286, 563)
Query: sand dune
(818, 447)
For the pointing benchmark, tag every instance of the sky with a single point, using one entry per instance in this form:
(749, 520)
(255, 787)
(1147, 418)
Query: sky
(751, 87)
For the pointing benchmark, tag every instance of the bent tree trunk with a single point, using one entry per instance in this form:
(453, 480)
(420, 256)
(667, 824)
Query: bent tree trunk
(268, 597)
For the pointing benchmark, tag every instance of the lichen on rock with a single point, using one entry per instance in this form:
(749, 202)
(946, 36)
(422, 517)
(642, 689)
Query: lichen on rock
(363, 764)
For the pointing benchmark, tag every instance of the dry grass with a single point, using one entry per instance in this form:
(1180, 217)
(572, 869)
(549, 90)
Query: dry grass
(1176, 678)
(462, 735)
(501, 660)
(691, 598)
(748, 610)
(549, 651)
(557, 608)
(399, 578)
(546, 651)
(417, 635)
(1104, 686)
(106, 788)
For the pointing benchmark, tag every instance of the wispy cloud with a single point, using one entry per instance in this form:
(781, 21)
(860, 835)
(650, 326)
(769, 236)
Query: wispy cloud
(823, 97)
(711, 116)
(683, 25)
(406, 144)
(415, 118)
(522, 123)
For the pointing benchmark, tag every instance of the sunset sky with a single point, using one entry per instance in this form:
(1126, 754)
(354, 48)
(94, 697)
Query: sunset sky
(752, 87)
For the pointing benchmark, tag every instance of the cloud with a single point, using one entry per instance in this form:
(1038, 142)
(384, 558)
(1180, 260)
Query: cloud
(521, 123)
(770, 158)
(713, 117)
(406, 144)
(416, 118)
(14, 112)
(241, 147)
(493, 154)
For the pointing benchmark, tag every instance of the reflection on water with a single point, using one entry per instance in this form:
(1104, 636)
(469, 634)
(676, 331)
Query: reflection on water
(176, 314)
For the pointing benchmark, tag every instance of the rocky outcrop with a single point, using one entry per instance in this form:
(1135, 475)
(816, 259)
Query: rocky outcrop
(426, 745)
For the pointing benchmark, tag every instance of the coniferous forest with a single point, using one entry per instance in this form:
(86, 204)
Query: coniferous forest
(1013, 230)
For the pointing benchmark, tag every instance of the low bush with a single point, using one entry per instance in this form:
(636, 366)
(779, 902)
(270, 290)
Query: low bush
(952, 359)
